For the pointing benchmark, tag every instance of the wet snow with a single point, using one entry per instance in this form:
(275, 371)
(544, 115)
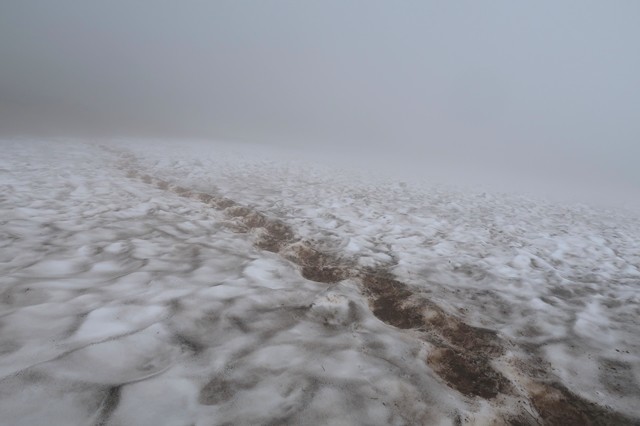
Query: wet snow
(123, 303)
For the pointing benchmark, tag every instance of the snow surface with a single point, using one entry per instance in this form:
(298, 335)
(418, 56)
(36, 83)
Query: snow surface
(124, 303)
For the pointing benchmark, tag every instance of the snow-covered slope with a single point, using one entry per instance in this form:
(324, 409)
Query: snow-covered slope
(145, 282)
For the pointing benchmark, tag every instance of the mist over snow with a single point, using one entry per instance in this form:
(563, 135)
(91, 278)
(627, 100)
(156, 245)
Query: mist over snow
(338, 212)
(543, 95)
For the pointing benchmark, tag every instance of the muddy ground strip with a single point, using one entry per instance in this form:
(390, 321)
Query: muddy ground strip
(463, 356)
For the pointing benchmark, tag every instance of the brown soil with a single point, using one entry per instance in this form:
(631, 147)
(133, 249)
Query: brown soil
(468, 374)
(390, 302)
(318, 266)
(463, 356)
(557, 405)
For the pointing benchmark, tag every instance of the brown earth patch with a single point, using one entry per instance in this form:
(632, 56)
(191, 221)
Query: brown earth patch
(464, 361)
(269, 243)
(389, 300)
(204, 197)
(468, 374)
(276, 236)
(219, 203)
(318, 266)
(394, 303)
(474, 339)
(254, 220)
(238, 211)
(225, 203)
(557, 405)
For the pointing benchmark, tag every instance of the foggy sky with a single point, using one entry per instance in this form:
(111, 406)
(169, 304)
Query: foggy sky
(543, 84)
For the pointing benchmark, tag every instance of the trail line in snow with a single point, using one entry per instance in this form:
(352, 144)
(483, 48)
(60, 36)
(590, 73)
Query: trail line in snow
(465, 357)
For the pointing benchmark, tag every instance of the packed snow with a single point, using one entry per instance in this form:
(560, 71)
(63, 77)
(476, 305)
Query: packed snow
(125, 302)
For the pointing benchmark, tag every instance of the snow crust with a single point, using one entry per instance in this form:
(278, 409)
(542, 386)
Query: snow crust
(124, 303)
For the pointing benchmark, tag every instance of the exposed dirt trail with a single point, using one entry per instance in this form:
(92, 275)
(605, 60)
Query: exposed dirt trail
(463, 356)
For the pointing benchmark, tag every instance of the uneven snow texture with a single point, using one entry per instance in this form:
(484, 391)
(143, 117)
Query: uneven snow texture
(123, 303)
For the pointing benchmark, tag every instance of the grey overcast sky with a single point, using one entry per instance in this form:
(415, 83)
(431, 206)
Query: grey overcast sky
(548, 83)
